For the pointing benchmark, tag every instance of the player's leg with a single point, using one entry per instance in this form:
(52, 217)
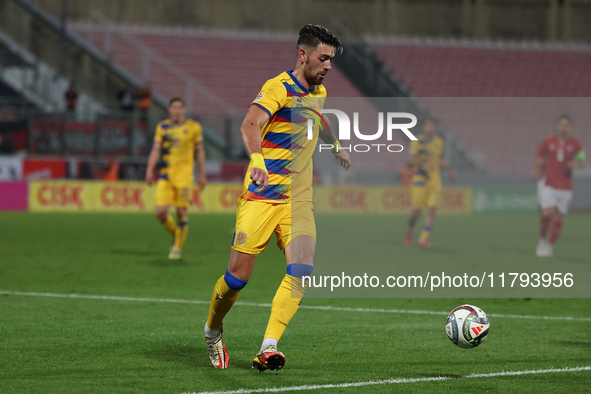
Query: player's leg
(547, 217)
(240, 266)
(427, 227)
(563, 198)
(225, 294)
(418, 199)
(548, 203)
(180, 234)
(412, 221)
(255, 222)
(296, 235)
(164, 199)
(182, 202)
(432, 202)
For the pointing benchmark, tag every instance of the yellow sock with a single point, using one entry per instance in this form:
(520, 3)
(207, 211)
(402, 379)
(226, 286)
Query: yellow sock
(426, 233)
(169, 225)
(285, 305)
(180, 235)
(221, 302)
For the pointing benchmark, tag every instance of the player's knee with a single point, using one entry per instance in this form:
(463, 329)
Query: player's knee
(182, 214)
(299, 270)
(233, 282)
(161, 214)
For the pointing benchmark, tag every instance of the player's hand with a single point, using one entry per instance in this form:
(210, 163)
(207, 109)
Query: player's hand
(202, 181)
(572, 165)
(150, 177)
(429, 166)
(344, 159)
(453, 178)
(535, 174)
(260, 179)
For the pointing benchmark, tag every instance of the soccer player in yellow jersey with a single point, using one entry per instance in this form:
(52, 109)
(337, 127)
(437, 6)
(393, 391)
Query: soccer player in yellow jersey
(426, 160)
(277, 194)
(179, 141)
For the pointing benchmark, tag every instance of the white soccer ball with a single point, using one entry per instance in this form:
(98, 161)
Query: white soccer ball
(467, 326)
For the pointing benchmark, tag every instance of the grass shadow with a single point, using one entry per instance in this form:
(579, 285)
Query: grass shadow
(165, 263)
(193, 356)
(576, 344)
(133, 252)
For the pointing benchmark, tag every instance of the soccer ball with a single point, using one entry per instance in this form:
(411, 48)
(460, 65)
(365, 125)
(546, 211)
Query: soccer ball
(467, 326)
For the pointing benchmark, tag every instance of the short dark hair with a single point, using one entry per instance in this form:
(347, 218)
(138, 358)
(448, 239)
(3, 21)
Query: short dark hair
(565, 117)
(429, 119)
(313, 35)
(176, 100)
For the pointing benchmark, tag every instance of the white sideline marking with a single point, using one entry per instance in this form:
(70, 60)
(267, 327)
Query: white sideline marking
(393, 381)
(263, 305)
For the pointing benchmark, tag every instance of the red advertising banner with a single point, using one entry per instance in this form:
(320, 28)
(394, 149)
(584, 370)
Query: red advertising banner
(44, 169)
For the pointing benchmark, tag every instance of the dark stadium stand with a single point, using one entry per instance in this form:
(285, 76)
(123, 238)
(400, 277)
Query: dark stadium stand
(448, 68)
(531, 83)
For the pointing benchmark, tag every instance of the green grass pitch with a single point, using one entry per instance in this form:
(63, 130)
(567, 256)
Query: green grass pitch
(82, 345)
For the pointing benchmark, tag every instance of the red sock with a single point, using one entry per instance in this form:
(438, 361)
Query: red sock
(556, 229)
(544, 225)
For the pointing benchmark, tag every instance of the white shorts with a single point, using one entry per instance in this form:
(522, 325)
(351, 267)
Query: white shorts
(550, 197)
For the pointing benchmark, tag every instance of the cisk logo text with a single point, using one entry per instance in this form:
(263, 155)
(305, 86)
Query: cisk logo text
(344, 133)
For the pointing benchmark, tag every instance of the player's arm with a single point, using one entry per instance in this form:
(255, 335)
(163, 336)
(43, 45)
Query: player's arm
(452, 174)
(327, 136)
(250, 132)
(580, 161)
(200, 158)
(152, 161)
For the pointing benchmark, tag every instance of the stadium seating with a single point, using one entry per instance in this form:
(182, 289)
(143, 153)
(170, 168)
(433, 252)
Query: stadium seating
(516, 91)
(232, 65)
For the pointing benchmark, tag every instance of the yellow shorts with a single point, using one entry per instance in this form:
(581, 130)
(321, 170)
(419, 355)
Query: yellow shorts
(256, 221)
(425, 196)
(178, 195)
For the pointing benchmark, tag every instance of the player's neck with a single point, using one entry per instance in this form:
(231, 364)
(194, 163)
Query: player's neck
(562, 136)
(298, 72)
(181, 121)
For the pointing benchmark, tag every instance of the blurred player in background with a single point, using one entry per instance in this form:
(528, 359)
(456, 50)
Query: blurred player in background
(426, 160)
(179, 141)
(555, 159)
(277, 193)
(542, 180)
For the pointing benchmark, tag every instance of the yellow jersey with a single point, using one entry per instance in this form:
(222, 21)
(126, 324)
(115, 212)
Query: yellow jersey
(429, 151)
(178, 149)
(287, 150)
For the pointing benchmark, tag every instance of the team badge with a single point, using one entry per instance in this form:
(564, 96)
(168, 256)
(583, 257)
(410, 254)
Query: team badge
(259, 97)
(241, 238)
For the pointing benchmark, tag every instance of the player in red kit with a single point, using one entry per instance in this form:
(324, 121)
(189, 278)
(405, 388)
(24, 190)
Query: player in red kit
(554, 162)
